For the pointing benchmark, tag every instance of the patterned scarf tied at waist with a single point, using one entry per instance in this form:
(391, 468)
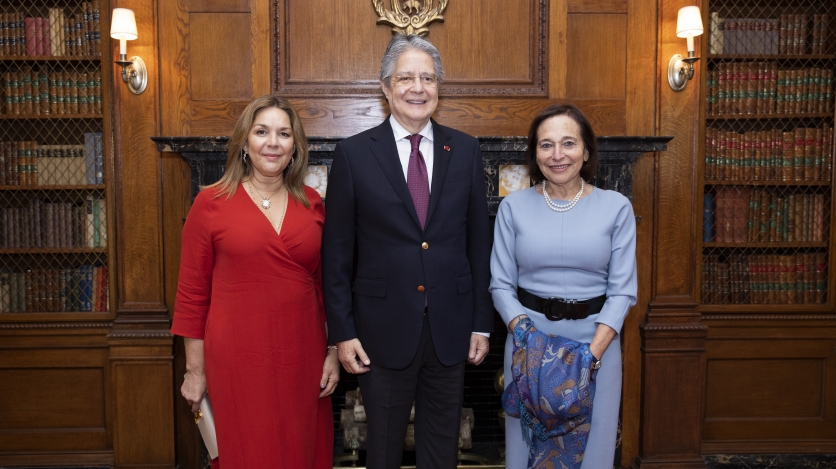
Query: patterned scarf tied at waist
(551, 393)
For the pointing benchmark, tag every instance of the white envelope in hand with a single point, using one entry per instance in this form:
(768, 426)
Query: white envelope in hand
(205, 421)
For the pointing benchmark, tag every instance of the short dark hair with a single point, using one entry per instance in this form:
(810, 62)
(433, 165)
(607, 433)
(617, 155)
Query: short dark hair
(590, 144)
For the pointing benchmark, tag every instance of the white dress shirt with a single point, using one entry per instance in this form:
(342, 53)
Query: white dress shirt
(426, 148)
(405, 147)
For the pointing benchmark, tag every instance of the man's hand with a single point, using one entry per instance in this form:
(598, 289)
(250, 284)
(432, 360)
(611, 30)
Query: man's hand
(478, 349)
(353, 357)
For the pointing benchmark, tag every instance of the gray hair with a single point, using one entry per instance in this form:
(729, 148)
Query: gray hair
(400, 44)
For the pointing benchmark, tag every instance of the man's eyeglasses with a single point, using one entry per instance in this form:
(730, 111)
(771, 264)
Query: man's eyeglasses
(409, 80)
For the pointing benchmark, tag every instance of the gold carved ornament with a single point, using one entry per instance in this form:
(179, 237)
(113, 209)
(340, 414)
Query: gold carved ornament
(410, 16)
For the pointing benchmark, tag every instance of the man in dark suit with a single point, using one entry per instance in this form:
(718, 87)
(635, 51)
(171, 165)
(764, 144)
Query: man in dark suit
(406, 253)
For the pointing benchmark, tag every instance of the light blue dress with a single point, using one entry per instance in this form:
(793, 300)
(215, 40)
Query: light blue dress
(585, 252)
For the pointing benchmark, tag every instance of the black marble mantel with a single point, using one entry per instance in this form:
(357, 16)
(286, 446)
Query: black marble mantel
(616, 155)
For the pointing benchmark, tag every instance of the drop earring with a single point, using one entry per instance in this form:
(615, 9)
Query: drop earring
(586, 155)
(244, 156)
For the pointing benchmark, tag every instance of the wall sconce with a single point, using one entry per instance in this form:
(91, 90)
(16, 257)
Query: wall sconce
(123, 27)
(681, 69)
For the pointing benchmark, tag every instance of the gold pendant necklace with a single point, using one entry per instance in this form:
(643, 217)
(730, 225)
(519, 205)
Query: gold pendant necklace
(265, 201)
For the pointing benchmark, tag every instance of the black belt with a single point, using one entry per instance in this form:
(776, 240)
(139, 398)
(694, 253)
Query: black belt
(556, 308)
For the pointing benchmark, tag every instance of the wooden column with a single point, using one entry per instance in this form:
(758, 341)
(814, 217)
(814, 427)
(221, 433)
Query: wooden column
(141, 348)
(673, 337)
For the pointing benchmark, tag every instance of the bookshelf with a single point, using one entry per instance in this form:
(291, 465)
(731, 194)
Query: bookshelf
(56, 235)
(766, 172)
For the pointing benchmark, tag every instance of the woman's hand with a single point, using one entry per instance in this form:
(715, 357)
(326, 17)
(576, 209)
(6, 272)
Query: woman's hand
(330, 373)
(193, 389)
(604, 335)
(514, 322)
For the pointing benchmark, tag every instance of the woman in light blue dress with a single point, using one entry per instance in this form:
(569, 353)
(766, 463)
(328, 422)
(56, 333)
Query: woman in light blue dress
(565, 238)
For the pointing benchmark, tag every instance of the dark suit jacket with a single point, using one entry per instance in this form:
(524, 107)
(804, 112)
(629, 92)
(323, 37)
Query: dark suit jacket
(373, 258)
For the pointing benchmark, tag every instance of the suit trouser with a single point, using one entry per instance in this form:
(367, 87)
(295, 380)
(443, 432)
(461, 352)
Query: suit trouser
(437, 391)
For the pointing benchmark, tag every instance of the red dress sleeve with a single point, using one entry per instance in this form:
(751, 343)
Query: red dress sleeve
(319, 209)
(197, 261)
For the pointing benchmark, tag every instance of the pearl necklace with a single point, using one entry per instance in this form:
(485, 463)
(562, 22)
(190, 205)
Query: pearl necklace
(562, 208)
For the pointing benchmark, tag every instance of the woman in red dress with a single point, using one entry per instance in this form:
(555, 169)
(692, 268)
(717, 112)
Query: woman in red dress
(249, 301)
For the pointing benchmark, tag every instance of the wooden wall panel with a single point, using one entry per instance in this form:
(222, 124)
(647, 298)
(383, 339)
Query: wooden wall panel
(750, 388)
(221, 56)
(599, 6)
(141, 373)
(138, 198)
(766, 375)
(489, 40)
(597, 42)
(219, 6)
(339, 54)
(640, 119)
(28, 401)
(334, 48)
(53, 395)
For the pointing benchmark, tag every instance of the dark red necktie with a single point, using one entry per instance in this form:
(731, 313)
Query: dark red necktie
(417, 181)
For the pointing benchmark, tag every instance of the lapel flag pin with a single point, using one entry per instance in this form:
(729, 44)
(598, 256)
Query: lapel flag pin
(446, 148)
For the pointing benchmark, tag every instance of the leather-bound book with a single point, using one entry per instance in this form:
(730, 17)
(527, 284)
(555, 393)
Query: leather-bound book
(800, 137)
(781, 96)
(4, 228)
(30, 289)
(800, 287)
(83, 100)
(50, 229)
(809, 154)
(723, 278)
(818, 154)
(97, 36)
(818, 218)
(67, 82)
(821, 277)
(63, 289)
(66, 225)
(102, 299)
(734, 279)
(827, 151)
(74, 92)
(14, 301)
(783, 278)
(750, 89)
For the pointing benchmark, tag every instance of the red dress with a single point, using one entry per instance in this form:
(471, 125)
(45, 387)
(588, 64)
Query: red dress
(254, 297)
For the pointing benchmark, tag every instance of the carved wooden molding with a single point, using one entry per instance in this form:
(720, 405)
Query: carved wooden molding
(674, 327)
(142, 334)
(58, 325)
(536, 87)
(769, 317)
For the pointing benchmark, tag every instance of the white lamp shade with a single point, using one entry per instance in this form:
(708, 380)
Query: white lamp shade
(689, 22)
(123, 24)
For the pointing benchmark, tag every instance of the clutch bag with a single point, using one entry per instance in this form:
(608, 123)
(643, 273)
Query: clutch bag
(205, 420)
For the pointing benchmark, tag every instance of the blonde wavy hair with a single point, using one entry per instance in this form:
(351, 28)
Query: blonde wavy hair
(238, 170)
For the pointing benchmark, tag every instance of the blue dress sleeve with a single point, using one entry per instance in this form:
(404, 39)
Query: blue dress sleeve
(622, 283)
(504, 269)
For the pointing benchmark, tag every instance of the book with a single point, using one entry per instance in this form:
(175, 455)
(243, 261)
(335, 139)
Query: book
(90, 157)
(716, 38)
(5, 293)
(85, 288)
(102, 220)
(708, 217)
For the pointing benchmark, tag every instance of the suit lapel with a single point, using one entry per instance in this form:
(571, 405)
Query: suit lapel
(441, 161)
(384, 149)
